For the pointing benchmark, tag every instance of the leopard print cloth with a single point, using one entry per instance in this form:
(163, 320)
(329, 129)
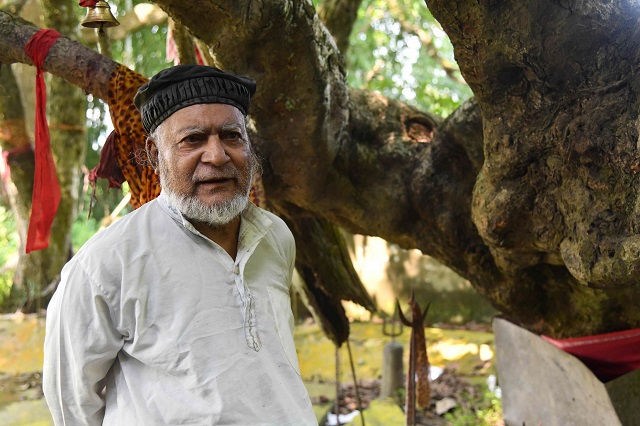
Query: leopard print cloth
(130, 136)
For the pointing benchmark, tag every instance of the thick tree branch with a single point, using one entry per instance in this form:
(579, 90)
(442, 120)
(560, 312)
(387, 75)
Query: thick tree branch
(339, 16)
(341, 150)
(184, 43)
(301, 77)
(557, 133)
(554, 203)
(557, 192)
(78, 65)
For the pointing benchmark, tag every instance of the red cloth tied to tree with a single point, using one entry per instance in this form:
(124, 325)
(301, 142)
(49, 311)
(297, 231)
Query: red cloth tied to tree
(108, 167)
(46, 189)
(607, 355)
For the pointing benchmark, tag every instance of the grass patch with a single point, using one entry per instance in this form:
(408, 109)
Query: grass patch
(483, 410)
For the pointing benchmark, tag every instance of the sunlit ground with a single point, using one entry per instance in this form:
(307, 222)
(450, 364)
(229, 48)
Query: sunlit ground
(21, 338)
(469, 353)
(21, 400)
(458, 349)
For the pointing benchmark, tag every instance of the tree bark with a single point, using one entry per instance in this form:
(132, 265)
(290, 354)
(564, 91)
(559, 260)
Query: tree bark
(527, 191)
(184, 43)
(78, 65)
(339, 16)
(66, 112)
(15, 142)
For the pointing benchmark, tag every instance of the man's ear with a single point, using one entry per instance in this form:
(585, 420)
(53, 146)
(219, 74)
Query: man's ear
(152, 153)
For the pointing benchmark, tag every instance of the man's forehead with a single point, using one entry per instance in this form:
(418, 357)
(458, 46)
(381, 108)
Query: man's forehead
(202, 116)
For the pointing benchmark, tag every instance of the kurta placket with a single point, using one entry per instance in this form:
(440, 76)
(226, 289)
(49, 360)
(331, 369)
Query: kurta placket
(247, 242)
(248, 239)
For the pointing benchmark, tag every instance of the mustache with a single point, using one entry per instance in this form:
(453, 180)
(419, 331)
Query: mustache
(224, 172)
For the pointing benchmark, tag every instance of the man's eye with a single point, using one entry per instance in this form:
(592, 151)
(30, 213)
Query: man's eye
(234, 135)
(191, 139)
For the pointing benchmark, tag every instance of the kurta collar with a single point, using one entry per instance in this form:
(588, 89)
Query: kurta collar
(254, 223)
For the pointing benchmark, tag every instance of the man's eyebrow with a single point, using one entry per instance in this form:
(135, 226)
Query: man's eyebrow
(232, 126)
(190, 128)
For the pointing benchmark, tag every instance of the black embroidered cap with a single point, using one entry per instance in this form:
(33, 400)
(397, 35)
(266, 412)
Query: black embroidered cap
(184, 85)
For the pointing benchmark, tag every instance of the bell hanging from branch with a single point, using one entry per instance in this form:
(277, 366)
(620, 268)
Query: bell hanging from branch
(99, 16)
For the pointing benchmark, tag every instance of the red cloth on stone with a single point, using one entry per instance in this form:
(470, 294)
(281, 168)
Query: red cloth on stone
(607, 355)
(46, 189)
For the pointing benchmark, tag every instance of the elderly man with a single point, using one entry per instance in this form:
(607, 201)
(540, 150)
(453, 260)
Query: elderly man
(179, 313)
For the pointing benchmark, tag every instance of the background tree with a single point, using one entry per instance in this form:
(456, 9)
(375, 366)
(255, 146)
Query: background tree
(37, 273)
(528, 190)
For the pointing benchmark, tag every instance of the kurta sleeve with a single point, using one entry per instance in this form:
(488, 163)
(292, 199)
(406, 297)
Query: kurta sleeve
(81, 344)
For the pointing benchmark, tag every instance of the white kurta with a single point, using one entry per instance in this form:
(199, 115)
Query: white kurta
(155, 324)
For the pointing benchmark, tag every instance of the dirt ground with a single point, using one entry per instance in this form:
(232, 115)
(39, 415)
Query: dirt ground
(447, 385)
(459, 352)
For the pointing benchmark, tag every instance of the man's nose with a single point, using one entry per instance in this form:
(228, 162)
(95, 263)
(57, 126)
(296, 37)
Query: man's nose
(214, 152)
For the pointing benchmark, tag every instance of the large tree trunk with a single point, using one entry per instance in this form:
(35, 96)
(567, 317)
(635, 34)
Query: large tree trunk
(339, 16)
(66, 117)
(527, 191)
(66, 114)
(18, 185)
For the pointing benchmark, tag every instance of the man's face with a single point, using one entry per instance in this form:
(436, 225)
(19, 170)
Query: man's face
(205, 162)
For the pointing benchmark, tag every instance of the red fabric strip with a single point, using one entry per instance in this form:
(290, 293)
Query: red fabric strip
(198, 54)
(108, 167)
(607, 355)
(46, 189)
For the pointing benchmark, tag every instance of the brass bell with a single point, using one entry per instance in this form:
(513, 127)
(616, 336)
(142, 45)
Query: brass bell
(100, 16)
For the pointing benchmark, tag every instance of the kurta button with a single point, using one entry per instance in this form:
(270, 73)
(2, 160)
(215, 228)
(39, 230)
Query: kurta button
(236, 270)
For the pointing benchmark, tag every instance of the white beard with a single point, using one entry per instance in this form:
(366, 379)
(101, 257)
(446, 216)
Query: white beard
(217, 215)
(195, 210)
